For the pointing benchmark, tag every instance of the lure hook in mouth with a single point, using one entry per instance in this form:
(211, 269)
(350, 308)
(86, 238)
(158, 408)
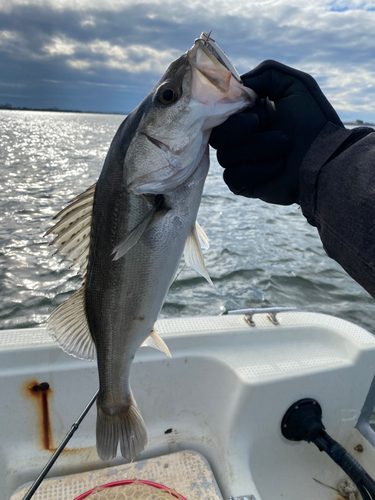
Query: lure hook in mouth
(209, 43)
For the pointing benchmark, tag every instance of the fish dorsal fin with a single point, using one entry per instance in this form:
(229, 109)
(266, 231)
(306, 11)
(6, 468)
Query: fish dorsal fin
(193, 252)
(155, 341)
(135, 234)
(68, 326)
(73, 229)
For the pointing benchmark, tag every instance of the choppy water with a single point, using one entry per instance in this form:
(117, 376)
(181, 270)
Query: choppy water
(260, 255)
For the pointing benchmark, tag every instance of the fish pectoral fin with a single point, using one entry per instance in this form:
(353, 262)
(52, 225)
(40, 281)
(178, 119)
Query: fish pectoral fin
(135, 234)
(68, 326)
(193, 252)
(133, 237)
(155, 341)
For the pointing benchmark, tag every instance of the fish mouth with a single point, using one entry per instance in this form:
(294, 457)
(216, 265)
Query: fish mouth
(207, 58)
(210, 64)
(209, 43)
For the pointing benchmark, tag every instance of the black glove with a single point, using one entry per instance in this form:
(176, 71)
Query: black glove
(262, 148)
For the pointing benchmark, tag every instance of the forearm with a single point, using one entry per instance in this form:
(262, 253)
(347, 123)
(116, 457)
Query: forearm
(337, 195)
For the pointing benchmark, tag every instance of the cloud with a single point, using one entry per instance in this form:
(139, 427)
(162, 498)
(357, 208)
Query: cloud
(129, 45)
(344, 5)
(60, 46)
(123, 87)
(133, 58)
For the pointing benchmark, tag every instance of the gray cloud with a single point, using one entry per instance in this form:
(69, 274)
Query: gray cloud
(107, 57)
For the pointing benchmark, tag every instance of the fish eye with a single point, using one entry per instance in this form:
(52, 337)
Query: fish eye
(167, 93)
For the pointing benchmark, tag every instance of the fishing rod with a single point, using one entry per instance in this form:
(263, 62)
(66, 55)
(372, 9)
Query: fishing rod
(59, 449)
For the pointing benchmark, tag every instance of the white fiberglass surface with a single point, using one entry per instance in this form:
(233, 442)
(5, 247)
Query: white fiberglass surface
(223, 394)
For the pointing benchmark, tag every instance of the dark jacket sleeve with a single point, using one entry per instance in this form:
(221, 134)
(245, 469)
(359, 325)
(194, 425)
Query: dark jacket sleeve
(337, 195)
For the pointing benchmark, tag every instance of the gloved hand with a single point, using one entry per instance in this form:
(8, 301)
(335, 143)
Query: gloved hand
(262, 148)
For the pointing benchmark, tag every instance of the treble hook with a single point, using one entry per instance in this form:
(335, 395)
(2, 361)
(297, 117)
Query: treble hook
(207, 38)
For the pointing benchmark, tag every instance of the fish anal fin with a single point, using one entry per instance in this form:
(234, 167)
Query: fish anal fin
(193, 253)
(155, 341)
(68, 326)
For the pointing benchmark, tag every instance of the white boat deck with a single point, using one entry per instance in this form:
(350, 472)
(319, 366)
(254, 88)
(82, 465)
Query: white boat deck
(223, 395)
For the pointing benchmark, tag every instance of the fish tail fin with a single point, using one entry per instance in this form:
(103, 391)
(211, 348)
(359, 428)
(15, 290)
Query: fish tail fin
(124, 425)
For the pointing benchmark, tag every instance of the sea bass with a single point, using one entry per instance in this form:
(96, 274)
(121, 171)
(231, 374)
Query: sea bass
(128, 231)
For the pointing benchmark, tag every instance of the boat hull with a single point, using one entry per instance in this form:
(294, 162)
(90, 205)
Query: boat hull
(223, 394)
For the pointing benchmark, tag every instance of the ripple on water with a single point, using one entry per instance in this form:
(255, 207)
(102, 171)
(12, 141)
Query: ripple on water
(260, 255)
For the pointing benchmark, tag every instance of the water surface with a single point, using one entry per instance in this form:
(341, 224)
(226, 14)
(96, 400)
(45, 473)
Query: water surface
(261, 255)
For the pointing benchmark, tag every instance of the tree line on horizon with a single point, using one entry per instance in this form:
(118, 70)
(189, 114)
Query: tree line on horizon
(56, 109)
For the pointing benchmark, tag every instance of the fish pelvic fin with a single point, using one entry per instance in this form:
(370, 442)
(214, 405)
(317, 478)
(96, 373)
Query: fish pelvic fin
(202, 237)
(154, 340)
(122, 425)
(193, 253)
(68, 326)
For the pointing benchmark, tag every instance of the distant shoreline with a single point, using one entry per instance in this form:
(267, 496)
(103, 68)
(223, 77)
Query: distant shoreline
(363, 124)
(7, 107)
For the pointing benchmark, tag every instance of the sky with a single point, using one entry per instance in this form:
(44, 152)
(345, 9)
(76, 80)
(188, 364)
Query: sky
(106, 55)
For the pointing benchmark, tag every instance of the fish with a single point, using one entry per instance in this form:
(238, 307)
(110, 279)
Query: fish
(128, 231)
